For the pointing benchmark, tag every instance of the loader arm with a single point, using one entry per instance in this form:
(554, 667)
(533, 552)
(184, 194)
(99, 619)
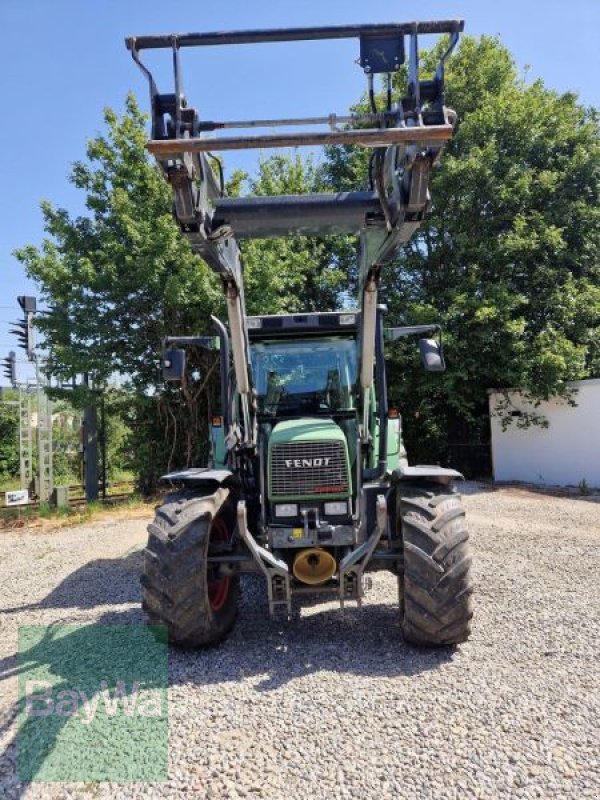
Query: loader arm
(406, 139)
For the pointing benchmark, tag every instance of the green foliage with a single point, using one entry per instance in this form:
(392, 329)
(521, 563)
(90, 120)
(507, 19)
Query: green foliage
(9, 440)
(66, 444)
(508, 260)
(119, 454)
(122, 277)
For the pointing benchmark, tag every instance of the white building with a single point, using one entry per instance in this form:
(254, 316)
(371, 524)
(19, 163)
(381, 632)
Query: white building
(564, 454)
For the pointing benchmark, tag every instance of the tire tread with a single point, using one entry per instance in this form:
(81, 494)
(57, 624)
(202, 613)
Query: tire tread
(174, 580)
(437, 587)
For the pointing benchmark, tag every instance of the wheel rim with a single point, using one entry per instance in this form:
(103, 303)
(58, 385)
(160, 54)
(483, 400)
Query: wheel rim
(218, 588)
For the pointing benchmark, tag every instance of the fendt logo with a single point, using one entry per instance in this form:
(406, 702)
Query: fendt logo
(300, 463)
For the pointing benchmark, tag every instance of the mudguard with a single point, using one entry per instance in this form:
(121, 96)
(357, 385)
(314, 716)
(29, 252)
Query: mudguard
(204, 477)
(426, 472)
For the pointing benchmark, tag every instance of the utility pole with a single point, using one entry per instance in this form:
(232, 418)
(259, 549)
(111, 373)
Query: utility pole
(90, 448)
(103, 444)
(44, 437)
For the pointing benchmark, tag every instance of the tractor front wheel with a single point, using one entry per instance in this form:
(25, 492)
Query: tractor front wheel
(436, 586)
(181, 588)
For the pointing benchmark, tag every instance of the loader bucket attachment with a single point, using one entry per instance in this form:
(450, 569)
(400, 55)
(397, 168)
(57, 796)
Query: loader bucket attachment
(406, 136)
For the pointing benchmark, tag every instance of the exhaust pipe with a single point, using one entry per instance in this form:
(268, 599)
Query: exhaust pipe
(314, 566)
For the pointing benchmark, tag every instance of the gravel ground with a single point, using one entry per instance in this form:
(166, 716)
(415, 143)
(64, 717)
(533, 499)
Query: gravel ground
(339, 706)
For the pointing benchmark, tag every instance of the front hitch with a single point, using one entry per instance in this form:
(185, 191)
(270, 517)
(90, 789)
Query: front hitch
(353, 565)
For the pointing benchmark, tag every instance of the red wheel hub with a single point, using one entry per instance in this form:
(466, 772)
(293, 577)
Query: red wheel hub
(218, 588)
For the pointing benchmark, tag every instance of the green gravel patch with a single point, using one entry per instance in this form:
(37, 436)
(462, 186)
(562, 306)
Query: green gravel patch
(93, 703)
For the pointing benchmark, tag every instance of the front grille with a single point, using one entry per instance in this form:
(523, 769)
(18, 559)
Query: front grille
(296, 477)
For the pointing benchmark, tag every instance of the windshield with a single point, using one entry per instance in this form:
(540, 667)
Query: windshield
(306, 376)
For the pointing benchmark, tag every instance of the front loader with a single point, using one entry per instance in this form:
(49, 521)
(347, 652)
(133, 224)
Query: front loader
(309, 484)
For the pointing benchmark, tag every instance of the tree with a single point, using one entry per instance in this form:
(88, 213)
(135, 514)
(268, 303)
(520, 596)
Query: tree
(509, 259)
(117, 281)
(9, 439)
(66, 444)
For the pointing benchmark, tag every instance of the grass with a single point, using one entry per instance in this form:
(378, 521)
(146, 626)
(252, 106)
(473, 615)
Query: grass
(51, 517)
(10, 484)
(119, 477)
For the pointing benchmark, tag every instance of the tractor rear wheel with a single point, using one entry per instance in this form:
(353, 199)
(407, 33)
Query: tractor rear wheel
(436, 585)
(181, 589)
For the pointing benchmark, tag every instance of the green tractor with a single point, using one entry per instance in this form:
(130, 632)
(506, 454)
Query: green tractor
(309, 484)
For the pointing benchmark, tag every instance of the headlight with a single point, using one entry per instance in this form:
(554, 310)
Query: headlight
(286, 510)
(336, 509)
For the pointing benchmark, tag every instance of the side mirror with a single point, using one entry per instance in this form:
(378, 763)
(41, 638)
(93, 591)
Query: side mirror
(432, 355)
(173, 365)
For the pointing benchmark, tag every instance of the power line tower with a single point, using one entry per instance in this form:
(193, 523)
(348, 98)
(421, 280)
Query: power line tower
(25, 438)
(44, 478)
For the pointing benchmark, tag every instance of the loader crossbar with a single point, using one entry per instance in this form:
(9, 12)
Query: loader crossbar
(292, 34)
(369, 137)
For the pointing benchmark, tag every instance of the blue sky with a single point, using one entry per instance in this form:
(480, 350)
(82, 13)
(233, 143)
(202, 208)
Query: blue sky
(64, 60)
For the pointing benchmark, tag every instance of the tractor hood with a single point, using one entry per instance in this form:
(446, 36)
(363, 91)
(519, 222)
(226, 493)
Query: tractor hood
(307, 429)
(308, 459)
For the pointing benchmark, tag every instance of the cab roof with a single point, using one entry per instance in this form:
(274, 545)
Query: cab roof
(274, 325)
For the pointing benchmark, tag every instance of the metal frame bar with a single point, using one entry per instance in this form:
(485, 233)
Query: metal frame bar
(215, 38)
(381, 389)
(272, 568)
(392, 334)
(354, 563)
(368, 137)
(206, 342)
(224, 371)
(331, 119)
